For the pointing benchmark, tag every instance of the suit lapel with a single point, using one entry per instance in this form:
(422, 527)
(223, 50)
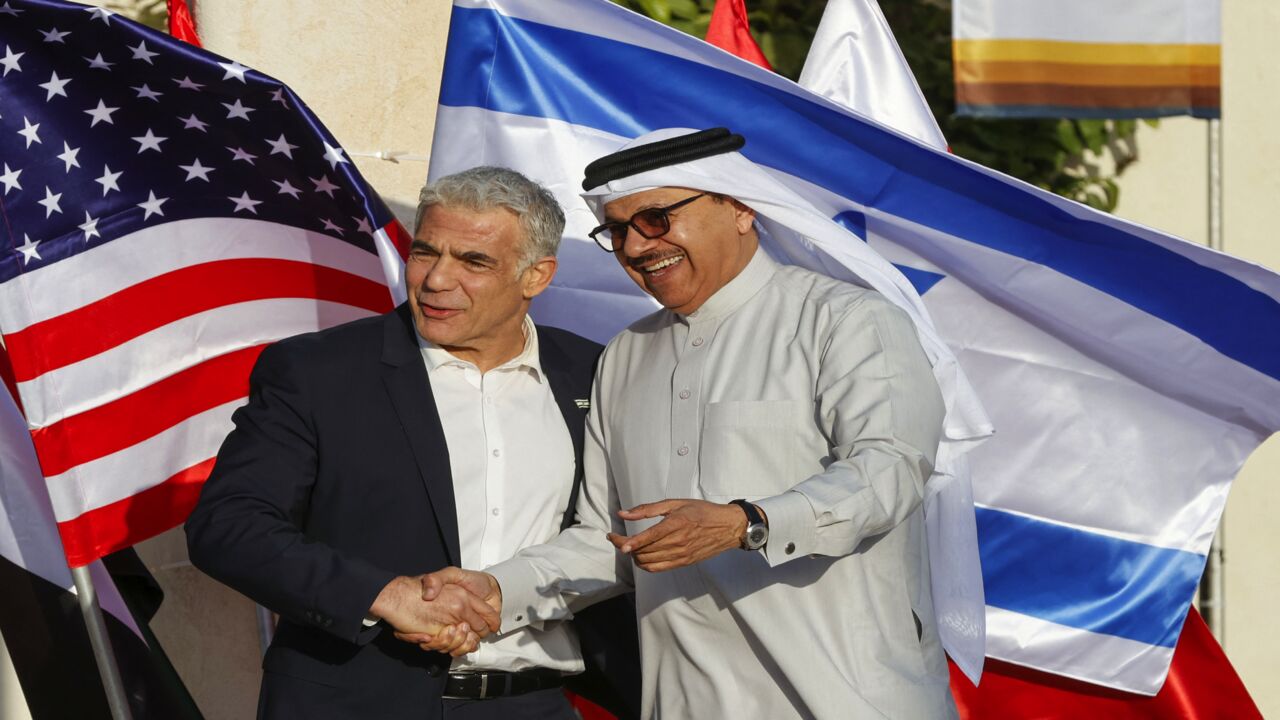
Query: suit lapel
(405, 378)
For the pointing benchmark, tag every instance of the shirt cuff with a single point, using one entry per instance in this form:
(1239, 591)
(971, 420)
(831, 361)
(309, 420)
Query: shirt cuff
(792, 527)
(369, 621)
(519, 584)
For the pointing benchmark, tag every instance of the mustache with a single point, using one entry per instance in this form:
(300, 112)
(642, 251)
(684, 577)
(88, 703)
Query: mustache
(650, 258)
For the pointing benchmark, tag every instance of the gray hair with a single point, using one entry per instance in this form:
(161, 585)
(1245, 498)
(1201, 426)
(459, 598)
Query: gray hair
(488, 188)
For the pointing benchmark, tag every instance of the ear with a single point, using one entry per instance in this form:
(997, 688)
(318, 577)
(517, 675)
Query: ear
(537, 277)
(743, 217)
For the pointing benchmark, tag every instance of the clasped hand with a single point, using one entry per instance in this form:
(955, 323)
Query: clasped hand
(456, 608)
(452, 609)
(448, 614)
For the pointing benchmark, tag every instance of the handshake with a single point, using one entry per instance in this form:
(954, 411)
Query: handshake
(449, 610)
(446, 611)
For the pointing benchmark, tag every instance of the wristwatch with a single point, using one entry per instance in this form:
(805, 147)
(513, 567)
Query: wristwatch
(757, 529)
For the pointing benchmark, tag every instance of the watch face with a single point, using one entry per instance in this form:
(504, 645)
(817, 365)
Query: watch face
(757, 535)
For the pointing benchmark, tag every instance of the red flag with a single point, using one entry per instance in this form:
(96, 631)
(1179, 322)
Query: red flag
(181, 24)
(1201, 685)
(587, 710)
(729, 30)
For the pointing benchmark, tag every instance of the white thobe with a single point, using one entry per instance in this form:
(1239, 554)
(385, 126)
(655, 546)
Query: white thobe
(512, 463)
(812, 398)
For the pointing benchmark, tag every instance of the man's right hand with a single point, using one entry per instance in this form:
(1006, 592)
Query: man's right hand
(478, 586)
(453, 620)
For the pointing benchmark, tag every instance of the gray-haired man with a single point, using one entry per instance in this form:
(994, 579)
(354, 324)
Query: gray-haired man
(447, 432)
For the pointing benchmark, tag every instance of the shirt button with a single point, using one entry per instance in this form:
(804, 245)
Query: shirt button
(684, 394)
(790, 548)
(497, 452)
(684, 450)
(697, 342)
(519, 618)
(496, 512)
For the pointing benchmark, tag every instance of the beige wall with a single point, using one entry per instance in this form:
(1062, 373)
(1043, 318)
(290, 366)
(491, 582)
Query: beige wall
(371, 72)
(1167, 189)
(13, 706)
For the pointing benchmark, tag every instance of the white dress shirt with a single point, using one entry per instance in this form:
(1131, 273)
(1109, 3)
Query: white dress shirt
(812, 398)
(512, 463)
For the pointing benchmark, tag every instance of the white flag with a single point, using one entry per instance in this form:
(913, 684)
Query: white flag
(855, 61)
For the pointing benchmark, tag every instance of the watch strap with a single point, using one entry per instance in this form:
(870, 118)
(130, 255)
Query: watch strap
(753, 515)
(757, 532)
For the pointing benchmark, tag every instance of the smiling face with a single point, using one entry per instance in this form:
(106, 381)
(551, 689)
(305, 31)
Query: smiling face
(709, 243)
(466, 290)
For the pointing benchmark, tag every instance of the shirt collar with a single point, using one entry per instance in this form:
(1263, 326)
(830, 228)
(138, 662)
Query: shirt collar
(437, 357)
(737, 291)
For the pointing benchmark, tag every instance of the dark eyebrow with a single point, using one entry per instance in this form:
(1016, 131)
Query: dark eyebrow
(475, 256)
(419, 245)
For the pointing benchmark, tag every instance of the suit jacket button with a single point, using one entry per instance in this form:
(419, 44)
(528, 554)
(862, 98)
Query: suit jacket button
(433, 670)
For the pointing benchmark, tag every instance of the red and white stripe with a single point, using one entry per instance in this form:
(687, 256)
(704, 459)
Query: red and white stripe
(130, 359)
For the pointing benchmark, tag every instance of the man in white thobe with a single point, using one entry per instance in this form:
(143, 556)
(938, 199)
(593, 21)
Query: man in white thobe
(807, 400)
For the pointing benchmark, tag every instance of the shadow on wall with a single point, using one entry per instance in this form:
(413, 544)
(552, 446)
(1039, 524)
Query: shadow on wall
(403, 211)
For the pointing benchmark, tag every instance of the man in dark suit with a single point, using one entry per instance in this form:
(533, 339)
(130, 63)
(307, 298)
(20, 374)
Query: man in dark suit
(447, 432)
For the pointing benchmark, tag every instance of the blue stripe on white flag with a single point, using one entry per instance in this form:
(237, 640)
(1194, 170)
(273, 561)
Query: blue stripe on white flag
(1085, 580)
(921, 280)
(544, 71)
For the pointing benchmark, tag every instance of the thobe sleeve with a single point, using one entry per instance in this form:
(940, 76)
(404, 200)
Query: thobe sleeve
(579, 566)
(881, 412)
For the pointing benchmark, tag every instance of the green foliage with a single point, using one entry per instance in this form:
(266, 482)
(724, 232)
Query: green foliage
(1078, 159)
(152, 13)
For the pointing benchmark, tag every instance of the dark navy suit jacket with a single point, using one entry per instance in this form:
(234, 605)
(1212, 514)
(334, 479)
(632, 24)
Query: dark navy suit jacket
(335, 480)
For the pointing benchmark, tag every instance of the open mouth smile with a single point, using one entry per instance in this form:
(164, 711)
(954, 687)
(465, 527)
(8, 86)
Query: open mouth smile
(662, 264)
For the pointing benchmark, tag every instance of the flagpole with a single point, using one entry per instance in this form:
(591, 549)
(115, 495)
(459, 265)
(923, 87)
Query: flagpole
(1215, 598)
(117, 700)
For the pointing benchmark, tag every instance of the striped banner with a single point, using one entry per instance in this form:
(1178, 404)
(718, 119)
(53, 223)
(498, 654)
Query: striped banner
(1088, 58)
(1124, 402)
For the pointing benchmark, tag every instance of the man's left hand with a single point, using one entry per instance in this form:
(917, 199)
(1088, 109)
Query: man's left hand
(691, 531)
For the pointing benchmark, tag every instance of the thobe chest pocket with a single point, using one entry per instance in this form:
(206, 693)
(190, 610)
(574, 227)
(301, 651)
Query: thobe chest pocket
(755, 448)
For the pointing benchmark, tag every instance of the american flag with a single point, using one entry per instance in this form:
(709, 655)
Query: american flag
(166, 214)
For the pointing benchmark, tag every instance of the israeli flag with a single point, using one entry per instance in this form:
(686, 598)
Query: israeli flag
(1129, 373)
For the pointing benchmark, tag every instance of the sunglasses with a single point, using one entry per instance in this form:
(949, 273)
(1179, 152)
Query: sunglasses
(650, 223)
